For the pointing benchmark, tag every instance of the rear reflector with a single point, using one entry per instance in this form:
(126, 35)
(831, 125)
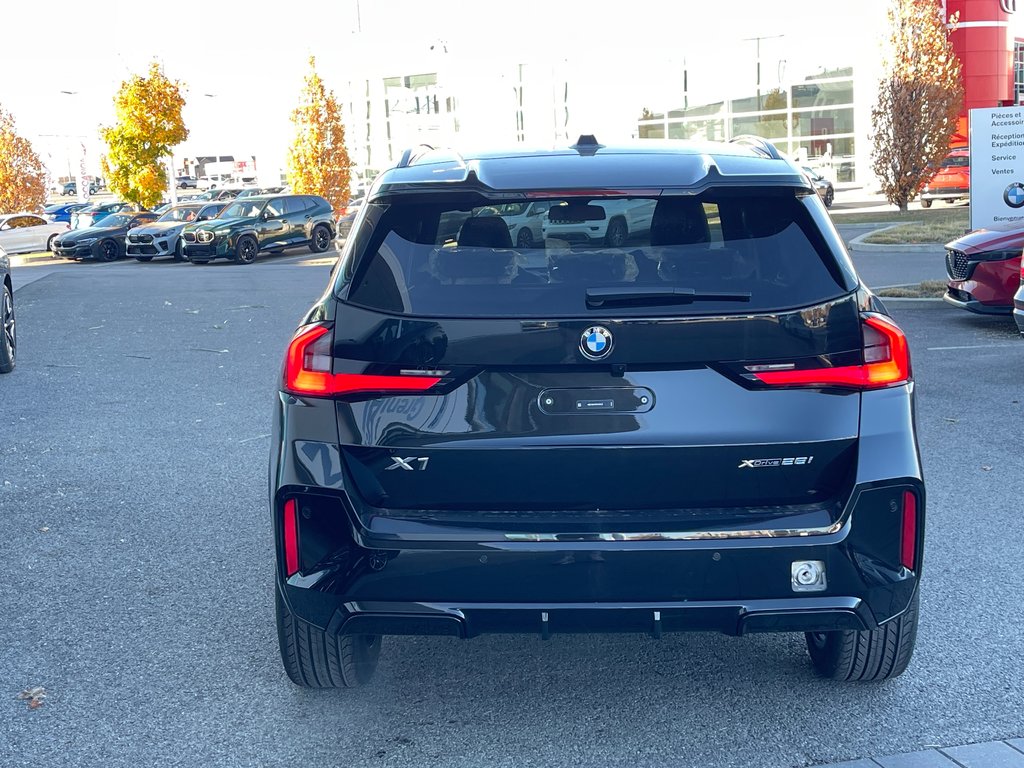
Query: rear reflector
(291, 538)
(886, 362)
(307, 370)
(908, 542)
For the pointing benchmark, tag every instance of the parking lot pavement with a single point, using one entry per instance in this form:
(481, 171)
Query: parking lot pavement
(138, 588)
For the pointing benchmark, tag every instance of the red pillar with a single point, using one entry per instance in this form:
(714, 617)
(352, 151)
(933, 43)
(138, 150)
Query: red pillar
(983, 40)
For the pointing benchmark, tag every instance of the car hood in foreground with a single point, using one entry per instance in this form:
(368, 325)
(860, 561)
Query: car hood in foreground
(985, 240)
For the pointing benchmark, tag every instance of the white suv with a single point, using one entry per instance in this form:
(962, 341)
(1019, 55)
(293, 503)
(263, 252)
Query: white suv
(623, 219)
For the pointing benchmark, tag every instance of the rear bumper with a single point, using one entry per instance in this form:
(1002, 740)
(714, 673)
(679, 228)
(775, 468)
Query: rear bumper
(466, 620)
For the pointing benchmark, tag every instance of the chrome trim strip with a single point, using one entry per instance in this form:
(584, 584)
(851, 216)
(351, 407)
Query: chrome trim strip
(770, 533)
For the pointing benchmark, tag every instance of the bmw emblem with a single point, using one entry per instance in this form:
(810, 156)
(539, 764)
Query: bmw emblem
(1013, 196)
(596, 343)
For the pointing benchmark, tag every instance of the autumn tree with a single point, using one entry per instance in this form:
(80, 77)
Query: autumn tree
(149, 124)
(318, 163)
(919, 100)
(22, 174)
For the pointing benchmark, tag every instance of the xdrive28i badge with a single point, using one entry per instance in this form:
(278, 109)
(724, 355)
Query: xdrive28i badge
(596, 343)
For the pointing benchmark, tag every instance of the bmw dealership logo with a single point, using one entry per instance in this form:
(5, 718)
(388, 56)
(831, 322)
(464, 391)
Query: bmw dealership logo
(596, 343)
(1013, 196)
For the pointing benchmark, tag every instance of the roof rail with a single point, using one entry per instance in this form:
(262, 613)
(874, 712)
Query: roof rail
(412, 153)
(761, 146)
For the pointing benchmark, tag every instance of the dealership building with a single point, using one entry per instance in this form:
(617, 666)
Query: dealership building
(811, 94)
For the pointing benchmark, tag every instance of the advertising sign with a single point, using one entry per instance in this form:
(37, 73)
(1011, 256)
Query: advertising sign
(997, 168)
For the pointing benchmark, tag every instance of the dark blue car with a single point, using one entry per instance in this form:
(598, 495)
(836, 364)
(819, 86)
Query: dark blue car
(61, 211)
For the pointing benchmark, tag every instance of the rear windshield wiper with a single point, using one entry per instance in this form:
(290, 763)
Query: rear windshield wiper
(639, 296)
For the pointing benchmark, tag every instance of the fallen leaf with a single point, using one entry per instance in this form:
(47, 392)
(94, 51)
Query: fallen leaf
(168, 304)
(45, 529)
(986, 467)
(951, 421)
(34, 696)
(191, 311)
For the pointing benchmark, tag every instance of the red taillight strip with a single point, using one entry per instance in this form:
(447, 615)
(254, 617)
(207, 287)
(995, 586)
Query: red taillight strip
(908, 542)
(300, 380)
(884, 373)
(291, 538)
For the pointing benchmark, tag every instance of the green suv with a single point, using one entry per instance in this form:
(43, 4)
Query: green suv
(255, 224)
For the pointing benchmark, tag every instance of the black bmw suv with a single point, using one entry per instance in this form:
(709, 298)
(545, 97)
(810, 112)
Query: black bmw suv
(708, 427)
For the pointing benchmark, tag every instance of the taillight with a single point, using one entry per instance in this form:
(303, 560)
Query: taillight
(886, 362)
(291, 537)
(908, 542)
(1022, 271)
(307, 370)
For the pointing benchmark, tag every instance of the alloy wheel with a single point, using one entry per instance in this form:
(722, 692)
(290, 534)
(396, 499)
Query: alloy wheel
(10, 334)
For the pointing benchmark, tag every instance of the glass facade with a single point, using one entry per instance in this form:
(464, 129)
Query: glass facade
(1018, 71)
(812, 120)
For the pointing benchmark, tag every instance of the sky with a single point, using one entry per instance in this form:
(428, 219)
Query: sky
(243, 64)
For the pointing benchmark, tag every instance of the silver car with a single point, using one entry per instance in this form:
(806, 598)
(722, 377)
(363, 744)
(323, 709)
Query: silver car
(163, 236)
(29, 232)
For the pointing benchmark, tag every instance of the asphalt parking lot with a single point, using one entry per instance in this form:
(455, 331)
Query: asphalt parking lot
(137, 569)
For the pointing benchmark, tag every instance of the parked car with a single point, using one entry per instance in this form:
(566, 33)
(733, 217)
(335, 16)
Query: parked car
(951, 181)
(217, 194)
(347, 216)
(8, 328)
(62, 211)
(257, 191)
(105, 240)
(821, 185)
(71, 188)
(87, 216)
(620, 220)
(256, 224)
(710, 429)
(214, 181)
(29, 232)
(187, 182)
(984, 271)
(163, 236)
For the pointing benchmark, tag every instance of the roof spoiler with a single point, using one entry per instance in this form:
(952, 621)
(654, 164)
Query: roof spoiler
(762, 146)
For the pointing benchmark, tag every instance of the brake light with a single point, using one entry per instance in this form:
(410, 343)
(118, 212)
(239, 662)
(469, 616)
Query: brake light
(908, 542)
(886, 362)
(307, 370)
(291, 538)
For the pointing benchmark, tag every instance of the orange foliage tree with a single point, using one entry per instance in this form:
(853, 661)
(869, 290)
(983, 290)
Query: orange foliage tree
(318, 162)
(22, 174)
(919, 100)
(149, 124)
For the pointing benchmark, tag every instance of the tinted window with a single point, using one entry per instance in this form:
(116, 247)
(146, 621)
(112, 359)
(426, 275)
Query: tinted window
(956, 161)
(276, 207)
(294, 205)
(243, 209)
(460, 260)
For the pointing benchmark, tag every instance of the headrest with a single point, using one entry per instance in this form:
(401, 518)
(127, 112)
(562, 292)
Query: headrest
(679, 221)
(485, 232)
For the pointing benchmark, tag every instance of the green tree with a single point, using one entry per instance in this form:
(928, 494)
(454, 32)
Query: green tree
(318, 162)
(22, 174)
(919, 99)
(149, 124)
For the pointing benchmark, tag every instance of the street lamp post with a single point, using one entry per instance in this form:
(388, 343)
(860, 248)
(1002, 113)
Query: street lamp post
(759, 38)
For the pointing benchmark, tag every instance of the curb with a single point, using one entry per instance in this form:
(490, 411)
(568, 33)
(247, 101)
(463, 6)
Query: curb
(22, 259)
(858, 244)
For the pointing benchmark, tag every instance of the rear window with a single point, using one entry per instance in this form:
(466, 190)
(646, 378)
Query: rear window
(956, 161)
(535, 259)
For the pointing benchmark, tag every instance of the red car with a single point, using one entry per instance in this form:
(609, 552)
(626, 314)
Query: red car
(984, 269)
(952, 181)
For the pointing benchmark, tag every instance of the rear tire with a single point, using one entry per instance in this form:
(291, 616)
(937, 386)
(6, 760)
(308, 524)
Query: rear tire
(8, 331)
(926, 203)
(867, 655)
(830, 197)
(617, 233)
(320, 240)
(49, 243)
(316, 659)
(179, 251)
